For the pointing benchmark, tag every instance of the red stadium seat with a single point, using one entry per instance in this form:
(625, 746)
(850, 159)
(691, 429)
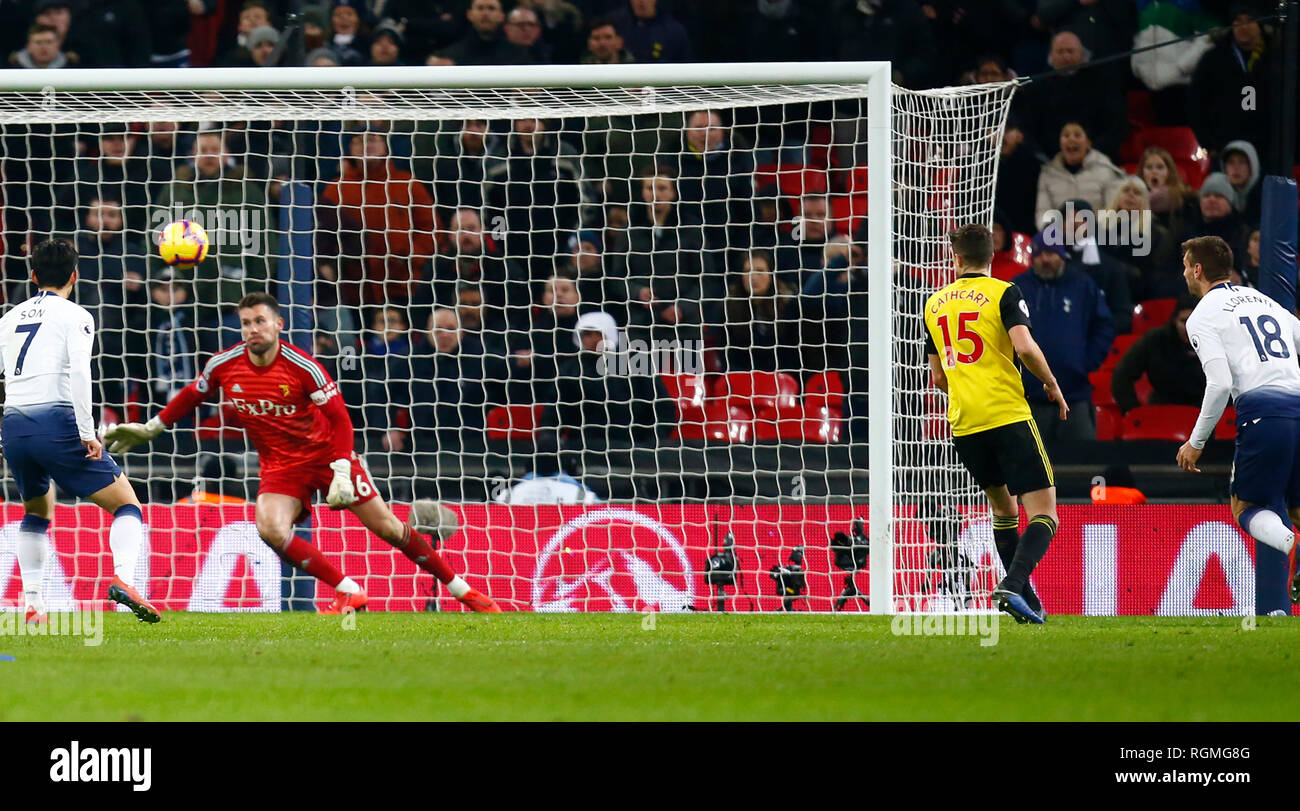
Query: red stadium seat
(793, 179)
(758, 392)
(1117, 350)
(1141, 113)
(824, 389)
(1152, 313)
(1101, 394)
(1173, 423)
(688, 394)
(809, 423)
(513, 422)
(1109, 423)
(722, 423)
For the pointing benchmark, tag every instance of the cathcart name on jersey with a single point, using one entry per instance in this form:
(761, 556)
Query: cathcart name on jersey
(962, 292)
(263, 408)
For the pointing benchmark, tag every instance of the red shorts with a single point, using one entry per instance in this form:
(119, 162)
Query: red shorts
(304, 481)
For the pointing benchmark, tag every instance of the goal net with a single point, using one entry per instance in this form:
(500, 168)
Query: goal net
(654, 333)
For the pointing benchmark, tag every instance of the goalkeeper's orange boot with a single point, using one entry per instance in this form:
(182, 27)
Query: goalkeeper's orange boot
(347, 603)
(35, 617)
(481, 603)
(120, 592)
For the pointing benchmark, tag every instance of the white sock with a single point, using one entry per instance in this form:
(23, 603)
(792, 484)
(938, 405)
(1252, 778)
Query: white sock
(1267, 527)
(32, 549)
(458, 587)
(124, 538)
(347, 586)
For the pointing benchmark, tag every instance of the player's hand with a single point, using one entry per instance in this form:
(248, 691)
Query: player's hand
(1054, 395)
(1188, 457)
(341, 493)
(94, 450)
(124, 437)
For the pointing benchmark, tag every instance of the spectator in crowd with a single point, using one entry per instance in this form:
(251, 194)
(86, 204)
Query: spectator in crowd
(1018, 173)
(1249, 269)
(350, 23)
(110, 35)
(471, 255)
(315, 28)
(42, 50)
(550, 342)
(386, 46)
(1137, 240)
(715, 180)
(1077, 172)
(110, 283)
(665, 267)
(161, 150)
(533, 180)
(895, 31)
(485, 44)
(1094, 102)
(604, 45)
(651, 33)
(321, 58)
(449, 156)
(1241, 166)
(762, 320)
(1166, 357)
(235, 214)
(1072, 324)
(1006, 263)
(56, 13)
(1105, 26)
(991, 69)
(801, 253)
(163, 342)
(261, 44)
(1238, 67)
(169, 30)
(524, 30)
(426, 25)
(603, 401)
(783, 31)
(376, 225)
(1219, 218)
(562, 27)
(108, 169)
(1173, 202)
(253, 14)
(385, 364)
(453, 382)
(1084, 253)
(1166, 71)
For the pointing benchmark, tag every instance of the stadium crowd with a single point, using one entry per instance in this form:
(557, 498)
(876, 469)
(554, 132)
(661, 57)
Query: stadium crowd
(486, 268)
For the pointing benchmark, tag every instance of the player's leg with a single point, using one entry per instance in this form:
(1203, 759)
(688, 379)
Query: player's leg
(33, 547)
(1006, 536)
(1261, 472)
(376, 516)
(125, 537)
(1029, 475)
(275, 514)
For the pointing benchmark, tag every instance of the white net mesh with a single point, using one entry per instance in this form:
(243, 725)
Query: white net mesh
(437, 250)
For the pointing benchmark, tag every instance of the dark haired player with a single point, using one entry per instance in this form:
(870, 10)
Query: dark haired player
(1247, 342)
(980, 325)
(48, 430)
(296, 419)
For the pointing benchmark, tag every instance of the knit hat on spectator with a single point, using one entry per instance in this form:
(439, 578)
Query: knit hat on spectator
(1039, 244)
(586, 235)
(46, 5)
(1218, 183)
(320, 53)
(392, 33)
(262, 33)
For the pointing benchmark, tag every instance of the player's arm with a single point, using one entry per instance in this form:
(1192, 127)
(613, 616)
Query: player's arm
(81, 341)
(1015, 319)
(937, 375)
(126, 436)
(1218, 388)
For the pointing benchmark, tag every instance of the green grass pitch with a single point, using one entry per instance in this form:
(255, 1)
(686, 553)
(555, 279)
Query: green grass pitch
(687, 667)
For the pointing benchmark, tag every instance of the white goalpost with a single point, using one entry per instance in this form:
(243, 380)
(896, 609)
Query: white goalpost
(652, 331)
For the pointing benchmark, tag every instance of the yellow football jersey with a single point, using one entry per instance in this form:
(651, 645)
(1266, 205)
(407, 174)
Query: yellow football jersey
(966, 325)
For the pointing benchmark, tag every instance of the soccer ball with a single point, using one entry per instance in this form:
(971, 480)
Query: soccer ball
(183, 244)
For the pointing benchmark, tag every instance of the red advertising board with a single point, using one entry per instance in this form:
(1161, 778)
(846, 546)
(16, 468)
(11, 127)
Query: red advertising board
(1173, 560)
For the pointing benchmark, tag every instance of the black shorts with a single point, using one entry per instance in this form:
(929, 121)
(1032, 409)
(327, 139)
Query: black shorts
(1009, 454)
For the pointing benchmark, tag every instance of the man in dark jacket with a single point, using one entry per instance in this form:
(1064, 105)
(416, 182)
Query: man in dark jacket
(486, 43)
(1166, 357)
(453, 382)
(896, 31)
(1110, 274)
(1073, 326)
(1235, 71)
(650, 33)
(1091, 97)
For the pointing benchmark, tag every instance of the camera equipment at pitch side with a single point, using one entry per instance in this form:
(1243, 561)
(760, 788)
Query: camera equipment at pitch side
(790, 578)
(722, 570)
(850, 550)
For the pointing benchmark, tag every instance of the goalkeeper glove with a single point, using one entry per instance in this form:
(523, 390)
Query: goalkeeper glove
(341, 493)
(124, 437)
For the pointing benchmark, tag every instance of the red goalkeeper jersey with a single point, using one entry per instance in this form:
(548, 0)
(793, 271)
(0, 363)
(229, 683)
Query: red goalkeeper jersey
(291, 409)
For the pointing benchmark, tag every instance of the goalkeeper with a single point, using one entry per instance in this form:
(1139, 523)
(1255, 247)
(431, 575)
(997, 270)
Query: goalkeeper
(296, 419)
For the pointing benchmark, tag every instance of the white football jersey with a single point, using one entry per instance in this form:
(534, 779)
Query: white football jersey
(45, 347)
(1258, 339)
